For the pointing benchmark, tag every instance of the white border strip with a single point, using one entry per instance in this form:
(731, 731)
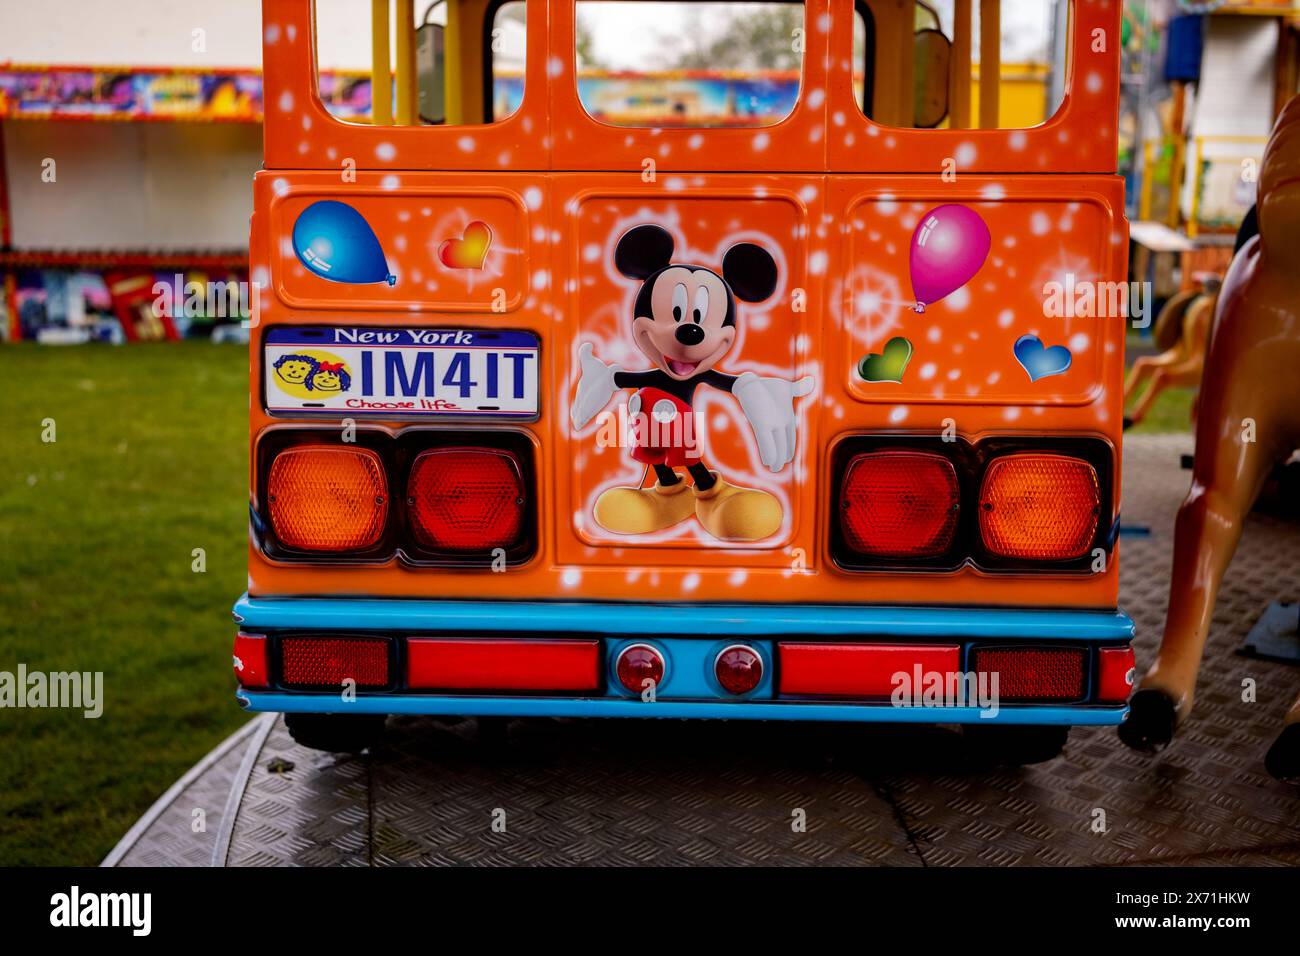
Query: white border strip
(160, 806)
(226, 833)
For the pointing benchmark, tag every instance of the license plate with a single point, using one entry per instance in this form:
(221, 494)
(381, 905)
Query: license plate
(423, 372)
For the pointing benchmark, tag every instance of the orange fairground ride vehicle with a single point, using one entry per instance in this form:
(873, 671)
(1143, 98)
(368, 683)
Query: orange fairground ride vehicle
(804, 404)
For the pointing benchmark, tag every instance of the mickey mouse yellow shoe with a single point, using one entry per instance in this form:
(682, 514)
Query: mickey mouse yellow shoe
(737, 514)
(642, 510)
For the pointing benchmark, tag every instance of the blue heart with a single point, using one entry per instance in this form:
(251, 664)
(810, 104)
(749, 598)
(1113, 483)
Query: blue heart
(1038, 360)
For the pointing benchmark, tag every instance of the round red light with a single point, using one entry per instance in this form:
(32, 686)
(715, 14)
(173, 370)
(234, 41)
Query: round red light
(637, 664)
(739, 669)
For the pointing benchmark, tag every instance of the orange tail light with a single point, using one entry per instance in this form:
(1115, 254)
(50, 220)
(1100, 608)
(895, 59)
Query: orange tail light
(1036, 506)
(325, 498)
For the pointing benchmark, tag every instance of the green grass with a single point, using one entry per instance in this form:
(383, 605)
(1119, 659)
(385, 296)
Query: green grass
(1172, 412)
(96, 534)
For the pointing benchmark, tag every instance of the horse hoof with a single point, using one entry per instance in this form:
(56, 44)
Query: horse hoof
(1283, 758)
(1150, 723)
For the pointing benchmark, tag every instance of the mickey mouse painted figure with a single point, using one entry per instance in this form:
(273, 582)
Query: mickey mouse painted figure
(684, 322)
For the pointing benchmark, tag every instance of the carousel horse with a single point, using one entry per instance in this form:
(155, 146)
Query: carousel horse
(1248, 422)
(1181, 331)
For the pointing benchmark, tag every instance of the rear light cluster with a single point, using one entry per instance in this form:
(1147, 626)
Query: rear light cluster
(454, 504)
(1000, 508)
(1025, 673)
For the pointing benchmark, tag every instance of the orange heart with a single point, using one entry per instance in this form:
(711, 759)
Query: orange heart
(470, 250)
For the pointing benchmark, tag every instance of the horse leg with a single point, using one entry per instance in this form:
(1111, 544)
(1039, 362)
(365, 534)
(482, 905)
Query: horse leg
(1283, 758)
(1228, 473)
(1159, 382)
(1136, 376)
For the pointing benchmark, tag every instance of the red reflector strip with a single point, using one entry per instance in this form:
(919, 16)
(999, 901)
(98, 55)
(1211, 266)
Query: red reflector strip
(1115, 673)
(329, 661)
(250, 660)
(521, 665)
(1034, 673)
(858, 670)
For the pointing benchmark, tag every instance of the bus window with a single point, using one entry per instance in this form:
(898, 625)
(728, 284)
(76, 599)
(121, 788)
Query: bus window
(969, 63)
(506, 46)
(675, 63)
(419, 63)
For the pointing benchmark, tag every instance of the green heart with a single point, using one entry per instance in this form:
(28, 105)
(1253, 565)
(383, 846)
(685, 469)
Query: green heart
(889, 366)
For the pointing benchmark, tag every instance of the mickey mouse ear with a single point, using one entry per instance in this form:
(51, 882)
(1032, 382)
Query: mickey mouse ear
(750, 271)
(643, 250)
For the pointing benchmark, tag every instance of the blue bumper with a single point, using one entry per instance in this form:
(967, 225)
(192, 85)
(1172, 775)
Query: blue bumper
(691, 634)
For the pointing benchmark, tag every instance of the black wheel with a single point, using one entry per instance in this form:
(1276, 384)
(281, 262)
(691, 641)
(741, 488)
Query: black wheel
(1283, 758)
(1150, 723)
(1015, 745)
(337, 733)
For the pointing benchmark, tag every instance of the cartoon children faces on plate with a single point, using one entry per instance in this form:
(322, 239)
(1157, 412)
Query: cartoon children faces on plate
(312, 374)
(684, 322)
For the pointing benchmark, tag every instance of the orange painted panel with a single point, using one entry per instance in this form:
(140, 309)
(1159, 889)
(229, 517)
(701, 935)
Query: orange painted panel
(469, 247)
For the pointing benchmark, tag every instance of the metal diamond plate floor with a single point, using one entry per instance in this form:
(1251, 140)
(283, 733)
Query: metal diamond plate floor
(621, 792)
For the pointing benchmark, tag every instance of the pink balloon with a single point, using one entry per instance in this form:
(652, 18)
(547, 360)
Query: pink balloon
(948, 247)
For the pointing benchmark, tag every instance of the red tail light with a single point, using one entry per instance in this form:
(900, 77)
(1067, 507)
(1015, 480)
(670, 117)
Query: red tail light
(1043, 507)
(738, 668)
(1115, 672)
(637, 664)
(325, 498)
(329, 661)
(900, 504)
(466, 499)
(1034, 673)
(250, 660)
(859, 670)
(518, 664)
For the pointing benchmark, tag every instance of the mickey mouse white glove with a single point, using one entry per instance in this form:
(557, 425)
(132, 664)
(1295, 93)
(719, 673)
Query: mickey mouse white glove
(768, 403)
(595, 386)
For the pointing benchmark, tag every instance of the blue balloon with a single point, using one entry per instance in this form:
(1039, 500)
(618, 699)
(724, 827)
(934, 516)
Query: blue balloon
(334, 241)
